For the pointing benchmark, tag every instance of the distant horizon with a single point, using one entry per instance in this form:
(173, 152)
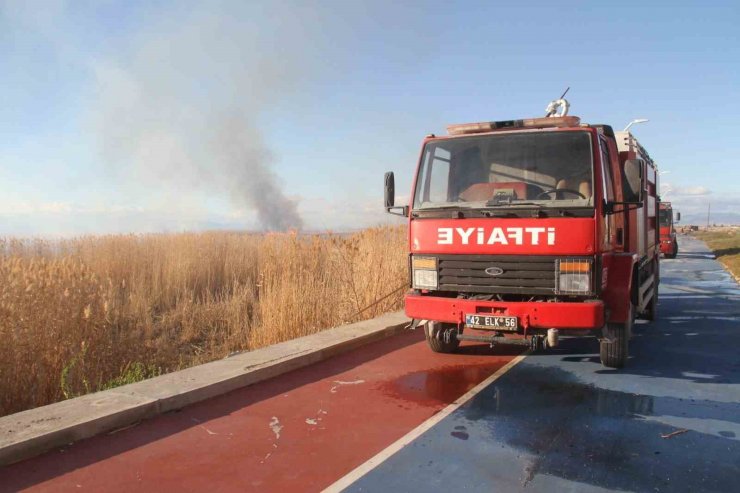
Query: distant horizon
(313, 232)
(146, 117)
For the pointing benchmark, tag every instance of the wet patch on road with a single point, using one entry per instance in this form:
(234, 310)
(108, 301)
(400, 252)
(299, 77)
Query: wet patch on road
(438, 385)
(460, 432)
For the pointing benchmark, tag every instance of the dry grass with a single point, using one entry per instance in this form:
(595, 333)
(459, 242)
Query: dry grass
(725, 243)
(90, 313)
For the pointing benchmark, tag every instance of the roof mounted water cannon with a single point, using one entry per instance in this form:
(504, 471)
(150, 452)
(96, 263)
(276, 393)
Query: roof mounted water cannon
(561, 104)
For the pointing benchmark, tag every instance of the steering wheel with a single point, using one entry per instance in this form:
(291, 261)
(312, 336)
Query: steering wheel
(558, 190)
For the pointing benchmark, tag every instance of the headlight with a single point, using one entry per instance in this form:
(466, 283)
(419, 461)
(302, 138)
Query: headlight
(574, 276)
(424, 272)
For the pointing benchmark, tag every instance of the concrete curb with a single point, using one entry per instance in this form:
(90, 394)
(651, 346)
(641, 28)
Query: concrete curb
(29, 433)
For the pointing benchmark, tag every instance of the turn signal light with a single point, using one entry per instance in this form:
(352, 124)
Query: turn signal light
(424, 262)
(575, 266)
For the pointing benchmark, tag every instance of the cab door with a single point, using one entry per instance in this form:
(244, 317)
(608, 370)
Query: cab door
(612, 237)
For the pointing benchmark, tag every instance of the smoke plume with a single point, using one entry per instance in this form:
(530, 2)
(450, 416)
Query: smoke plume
(180, 109)
(252, 182)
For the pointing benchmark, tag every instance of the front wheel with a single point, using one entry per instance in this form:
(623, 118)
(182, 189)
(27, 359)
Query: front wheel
(435, 334)
(614, 352)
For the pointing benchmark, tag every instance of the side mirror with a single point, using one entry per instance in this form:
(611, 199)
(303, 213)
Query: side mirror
(390, 190)
(390, 197)
(678, 216)
(634, 180)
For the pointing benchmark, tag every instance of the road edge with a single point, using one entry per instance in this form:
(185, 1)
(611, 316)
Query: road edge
(29, 433)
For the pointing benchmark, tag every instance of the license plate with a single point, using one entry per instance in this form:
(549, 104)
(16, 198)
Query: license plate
(495, 322)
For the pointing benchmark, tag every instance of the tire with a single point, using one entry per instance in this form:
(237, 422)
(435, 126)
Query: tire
(651, 310)
(614, 354)
(436, 340)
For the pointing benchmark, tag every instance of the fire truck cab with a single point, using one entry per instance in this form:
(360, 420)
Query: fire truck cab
(668, 240)
(524, 231)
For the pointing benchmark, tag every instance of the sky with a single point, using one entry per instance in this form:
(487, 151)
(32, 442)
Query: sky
(156, 116)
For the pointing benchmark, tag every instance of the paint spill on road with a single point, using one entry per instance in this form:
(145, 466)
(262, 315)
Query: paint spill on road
(339, 383)
(276, 427)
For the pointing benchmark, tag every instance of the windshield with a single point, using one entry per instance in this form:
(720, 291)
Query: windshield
(507, 170)
(665, 217)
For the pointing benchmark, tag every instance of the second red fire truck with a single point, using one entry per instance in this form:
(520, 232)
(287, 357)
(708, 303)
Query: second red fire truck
(668, 240)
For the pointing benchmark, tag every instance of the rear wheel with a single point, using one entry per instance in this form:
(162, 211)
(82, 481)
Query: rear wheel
(435, 334)
(614, 352)
(651, 310)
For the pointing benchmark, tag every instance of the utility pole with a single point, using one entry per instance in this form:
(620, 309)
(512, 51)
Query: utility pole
(709, 208)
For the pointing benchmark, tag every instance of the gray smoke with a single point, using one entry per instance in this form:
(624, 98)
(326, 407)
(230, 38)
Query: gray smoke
(181, 106)
(253, 183)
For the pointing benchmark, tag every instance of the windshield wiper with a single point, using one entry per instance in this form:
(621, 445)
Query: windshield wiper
(538, 210)
(492, 204)
(458, 211)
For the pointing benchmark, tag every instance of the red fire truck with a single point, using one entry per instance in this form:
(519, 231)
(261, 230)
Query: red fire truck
(523, 231)
(668, 241)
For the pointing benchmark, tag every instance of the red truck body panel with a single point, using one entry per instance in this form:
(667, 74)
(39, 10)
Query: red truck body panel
(503, 236)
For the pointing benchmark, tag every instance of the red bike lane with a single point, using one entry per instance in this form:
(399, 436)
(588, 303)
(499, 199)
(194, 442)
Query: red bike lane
(301, 431)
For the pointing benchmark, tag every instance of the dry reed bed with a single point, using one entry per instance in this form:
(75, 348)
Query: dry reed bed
(90, 313)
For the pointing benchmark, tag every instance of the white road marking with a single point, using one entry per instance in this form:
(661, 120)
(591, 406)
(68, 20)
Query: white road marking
(386, 453)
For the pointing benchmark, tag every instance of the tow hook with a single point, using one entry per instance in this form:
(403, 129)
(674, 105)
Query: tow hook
(538, 342)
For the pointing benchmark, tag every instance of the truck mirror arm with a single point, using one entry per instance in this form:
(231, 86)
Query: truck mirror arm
(398, 210)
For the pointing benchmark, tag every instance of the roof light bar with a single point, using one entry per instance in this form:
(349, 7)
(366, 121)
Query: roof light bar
(480, 127)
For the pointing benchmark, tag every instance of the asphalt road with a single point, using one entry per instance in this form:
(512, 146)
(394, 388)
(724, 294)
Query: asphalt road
(389, 417)
(561, 422)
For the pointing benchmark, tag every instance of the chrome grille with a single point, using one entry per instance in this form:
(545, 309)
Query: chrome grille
(521, 274)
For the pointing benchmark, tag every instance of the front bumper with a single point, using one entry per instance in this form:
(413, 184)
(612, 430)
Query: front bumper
(536, 315)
